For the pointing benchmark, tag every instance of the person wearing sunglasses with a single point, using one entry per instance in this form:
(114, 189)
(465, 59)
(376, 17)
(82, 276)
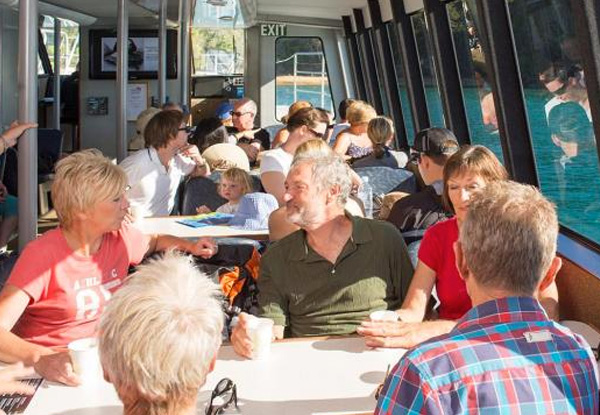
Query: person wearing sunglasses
(161, 373)
(155, 172)
(243, 133)
(566, 83)
(303, 125)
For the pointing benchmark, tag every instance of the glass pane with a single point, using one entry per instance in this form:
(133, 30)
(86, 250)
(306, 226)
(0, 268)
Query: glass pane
(559, 111)
(69, 44)
(432, 92)
(401, 81)
(479, 103)
(301, 74)
(379, 68)
(217, 51)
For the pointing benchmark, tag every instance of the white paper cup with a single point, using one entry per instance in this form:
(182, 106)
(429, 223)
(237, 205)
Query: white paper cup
(383, 315)
(260, 331)
(85, 359)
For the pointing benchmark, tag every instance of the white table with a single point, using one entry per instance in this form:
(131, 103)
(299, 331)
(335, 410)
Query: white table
(169, 226)
(315, 376)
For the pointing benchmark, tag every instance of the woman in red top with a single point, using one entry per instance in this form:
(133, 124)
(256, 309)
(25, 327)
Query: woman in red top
(467, 171)
(63, 279)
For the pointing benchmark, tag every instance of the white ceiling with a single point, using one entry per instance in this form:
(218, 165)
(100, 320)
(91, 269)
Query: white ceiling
(327, 9)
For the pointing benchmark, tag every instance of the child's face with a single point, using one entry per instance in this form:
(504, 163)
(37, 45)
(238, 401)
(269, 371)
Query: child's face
(230, 190)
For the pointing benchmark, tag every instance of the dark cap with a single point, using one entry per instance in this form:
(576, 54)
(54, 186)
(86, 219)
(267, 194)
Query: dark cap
(436, 142)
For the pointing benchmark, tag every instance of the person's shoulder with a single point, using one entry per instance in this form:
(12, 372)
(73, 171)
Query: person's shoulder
(443, 227)
(135, 161)
(279, 249)
(426, 196)
(380, 229)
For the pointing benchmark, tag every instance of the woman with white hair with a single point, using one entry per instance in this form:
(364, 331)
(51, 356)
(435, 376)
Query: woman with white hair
(161, 374)
(62, 280)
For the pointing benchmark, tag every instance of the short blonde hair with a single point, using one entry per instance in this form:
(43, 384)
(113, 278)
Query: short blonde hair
(160, 333)
(313, 148)
(294, 108)
(82, 180)
(238, 176)
(360, 112)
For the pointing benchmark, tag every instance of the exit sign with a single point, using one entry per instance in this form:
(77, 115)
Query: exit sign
(273, 29)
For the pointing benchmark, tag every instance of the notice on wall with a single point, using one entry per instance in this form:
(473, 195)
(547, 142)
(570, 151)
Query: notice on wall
(137, 99)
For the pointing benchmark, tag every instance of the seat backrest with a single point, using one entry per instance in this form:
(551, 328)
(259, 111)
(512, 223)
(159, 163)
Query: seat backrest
(384, 180)
(200, 191)
(49, 148)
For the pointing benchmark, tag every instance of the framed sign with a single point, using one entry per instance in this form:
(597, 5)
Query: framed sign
(137, 99)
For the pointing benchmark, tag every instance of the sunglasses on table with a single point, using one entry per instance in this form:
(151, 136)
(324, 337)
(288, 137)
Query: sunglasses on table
(222, 396)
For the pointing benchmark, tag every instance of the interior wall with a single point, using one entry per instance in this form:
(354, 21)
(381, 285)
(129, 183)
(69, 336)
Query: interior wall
(267, 67)
(9, 51)
(100, 131)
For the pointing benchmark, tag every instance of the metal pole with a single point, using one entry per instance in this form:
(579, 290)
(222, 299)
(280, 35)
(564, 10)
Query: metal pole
(162, 52)
(322, 81)
(295, 74)
(184, 27)
(28, 97)
(122, 76)
(56, 84)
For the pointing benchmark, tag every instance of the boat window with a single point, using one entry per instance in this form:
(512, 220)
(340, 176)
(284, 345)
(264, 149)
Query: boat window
(559, 112)
(477, 92)
(401, 80)
(432, 92)
(69, 45)
(217, 51)
(301, 74)
(371, 39)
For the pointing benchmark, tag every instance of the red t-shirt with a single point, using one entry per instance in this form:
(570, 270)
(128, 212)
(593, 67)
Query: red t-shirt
(437, 252)
(67, 291)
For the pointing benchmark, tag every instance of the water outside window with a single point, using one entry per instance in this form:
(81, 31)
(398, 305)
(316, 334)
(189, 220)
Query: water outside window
(559, 111)
(401, 82)
(432, 91)
(301, 74)
(477, 92)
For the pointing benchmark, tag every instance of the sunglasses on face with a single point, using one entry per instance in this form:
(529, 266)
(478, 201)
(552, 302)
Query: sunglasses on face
(224, 394)
(239, 114)
(316, 133)
(187, 129)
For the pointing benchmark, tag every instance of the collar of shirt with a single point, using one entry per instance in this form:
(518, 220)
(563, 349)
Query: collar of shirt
(502, 311)
(360, 234)
(153, 156)
(438, 186)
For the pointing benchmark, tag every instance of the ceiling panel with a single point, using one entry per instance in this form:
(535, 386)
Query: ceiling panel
(328, 9)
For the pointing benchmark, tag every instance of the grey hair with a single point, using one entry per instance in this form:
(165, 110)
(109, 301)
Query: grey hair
(160, 333)
(252, 107)
(509, 237)
(328, 170)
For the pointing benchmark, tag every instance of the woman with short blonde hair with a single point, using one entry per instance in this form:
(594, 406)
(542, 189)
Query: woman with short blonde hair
(63, 279)
(162, 373)
(354, 143)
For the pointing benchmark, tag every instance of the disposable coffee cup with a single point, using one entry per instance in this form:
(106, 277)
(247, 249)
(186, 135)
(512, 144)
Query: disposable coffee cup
(260, 331)
(85, 359)
(383, 315)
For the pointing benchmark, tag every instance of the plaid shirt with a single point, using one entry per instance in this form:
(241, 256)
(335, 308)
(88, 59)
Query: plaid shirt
(503, 357)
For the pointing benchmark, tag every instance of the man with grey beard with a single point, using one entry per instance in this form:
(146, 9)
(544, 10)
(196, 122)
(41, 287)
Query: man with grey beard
(327, 277)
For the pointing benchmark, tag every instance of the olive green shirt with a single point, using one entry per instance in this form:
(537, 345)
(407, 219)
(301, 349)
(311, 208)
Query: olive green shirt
(310, 296)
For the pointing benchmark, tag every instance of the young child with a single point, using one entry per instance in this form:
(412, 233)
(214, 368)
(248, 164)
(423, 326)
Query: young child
(234, 184)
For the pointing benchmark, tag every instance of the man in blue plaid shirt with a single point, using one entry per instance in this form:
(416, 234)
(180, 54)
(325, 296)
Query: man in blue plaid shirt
(505, 356)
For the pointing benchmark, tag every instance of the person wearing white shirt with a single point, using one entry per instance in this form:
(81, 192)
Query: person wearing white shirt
(154, 173)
